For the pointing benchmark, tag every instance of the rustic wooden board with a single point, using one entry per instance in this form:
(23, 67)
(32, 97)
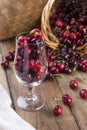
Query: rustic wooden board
(73, 118)
(79, 106)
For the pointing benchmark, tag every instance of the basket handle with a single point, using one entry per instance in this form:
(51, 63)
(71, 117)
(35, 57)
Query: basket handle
(49, 37)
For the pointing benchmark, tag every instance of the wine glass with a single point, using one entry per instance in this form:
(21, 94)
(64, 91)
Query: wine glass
(30, 66)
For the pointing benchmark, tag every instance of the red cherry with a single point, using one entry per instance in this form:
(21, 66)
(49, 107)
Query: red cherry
(61, 14)
(9, 57)
(58, 110)
(78, 34)
(34, 63)
(83, 93)
(36, 33)
(22, 41)
(5, 64)
(61, 66)
(17, 66)
(66, 34)
(81, 28)
(73, 21)
(51, 64)
(41, 71)
(73, 36)
(84, 62)
(67, 100)
(73, 84)
(59, 24)
(84, 67)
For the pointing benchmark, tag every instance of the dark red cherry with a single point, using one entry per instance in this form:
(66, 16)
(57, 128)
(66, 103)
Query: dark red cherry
(36, 33)
(22, 41)
(67, 100)
(73, 21)
(73, 84)
(83, 93)
(84, 62)
(66, 34)
(59, 24)
(5, 64)
(58, 110)
(61, 66)
(84, 67)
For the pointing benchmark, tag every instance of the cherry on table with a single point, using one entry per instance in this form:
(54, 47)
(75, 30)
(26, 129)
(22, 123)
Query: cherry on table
(58, 110)
(5, 64)
(73, 84)
(67, 100)
(83, 93)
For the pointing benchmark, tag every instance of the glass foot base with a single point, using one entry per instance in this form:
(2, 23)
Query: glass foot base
(31, 104)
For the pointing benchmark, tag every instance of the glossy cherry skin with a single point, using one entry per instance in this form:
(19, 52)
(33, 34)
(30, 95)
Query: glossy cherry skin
(36, 33)
(83, 93)
(73, 84)
(5, 64)
(67, 100)
(58, 110)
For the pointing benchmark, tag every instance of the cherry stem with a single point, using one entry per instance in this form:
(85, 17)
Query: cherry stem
(60, 75)
(57, 100)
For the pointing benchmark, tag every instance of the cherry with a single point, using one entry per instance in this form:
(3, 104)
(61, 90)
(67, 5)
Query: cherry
(51, 64)
(84, 67)
(73, 84)
(61, 14)
(10, 57)
(22, 40)
(59, 24)
(41, 71)
(73, 36)
(81, 27)
(67, 70)
(61, 66)
(66, 34)
(54, 70)
(34, 63)
(73, 21)
(5, 64)
(84, 62)
(49, 75)
(58, 110)
(83, 93)
(36, 33)
(78, 34)
(67, 100)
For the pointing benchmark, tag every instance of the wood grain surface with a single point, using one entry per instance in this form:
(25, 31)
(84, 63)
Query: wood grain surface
(73, 117)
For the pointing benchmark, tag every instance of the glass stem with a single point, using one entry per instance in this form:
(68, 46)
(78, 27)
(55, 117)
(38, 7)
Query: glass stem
(30, 94)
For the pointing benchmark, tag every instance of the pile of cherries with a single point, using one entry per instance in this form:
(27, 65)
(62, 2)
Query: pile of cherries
(8, 58)
(69, 25)
(27, 61)
(67, 99)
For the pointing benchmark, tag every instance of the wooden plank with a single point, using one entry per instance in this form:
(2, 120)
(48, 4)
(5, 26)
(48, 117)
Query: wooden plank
(43, 119)
(3, 79)
(79, 106)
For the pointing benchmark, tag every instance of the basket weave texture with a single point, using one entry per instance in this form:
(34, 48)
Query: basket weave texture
(49, 37)
(18, 15)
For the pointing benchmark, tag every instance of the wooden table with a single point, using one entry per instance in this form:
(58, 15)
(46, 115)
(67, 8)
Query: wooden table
(73, 117)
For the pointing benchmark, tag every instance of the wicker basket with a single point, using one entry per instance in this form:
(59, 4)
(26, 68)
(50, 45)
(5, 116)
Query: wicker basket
(49, 37)
(18, 15)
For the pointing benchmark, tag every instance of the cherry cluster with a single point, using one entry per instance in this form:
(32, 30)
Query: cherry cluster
(8, 58)
(27, 62)
(67, 99)
(69, 25)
